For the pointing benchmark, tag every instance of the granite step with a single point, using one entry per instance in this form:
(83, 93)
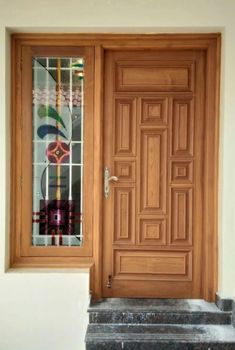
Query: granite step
(157, 311)
(159, 337)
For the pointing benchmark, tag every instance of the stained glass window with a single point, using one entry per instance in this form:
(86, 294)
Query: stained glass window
(57, 151)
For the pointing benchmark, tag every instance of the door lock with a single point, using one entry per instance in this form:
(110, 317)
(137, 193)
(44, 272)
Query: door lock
(107, 179)
(109, 283)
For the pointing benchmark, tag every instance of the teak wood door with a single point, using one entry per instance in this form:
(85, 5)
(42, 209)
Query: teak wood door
(154, 105)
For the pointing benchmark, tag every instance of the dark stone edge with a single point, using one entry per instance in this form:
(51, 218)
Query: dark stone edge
(157, 311)
(224, 304)
(233, 314)
(160, 318)
(170, 345)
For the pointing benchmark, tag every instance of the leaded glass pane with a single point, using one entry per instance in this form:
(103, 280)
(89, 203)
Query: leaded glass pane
(57, 151)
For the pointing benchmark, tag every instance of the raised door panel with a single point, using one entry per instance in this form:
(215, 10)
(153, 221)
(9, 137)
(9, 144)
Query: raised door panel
(125, 126)
(153, 160)
(181, 216)
(154, 75)
(152, 231)
(182, 171)
(124, 215)
(154, 111)
(153, 265)
(182, 128)
(125, 170)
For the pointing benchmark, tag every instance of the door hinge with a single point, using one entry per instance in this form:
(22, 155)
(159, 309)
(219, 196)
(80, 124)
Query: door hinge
(109, 283)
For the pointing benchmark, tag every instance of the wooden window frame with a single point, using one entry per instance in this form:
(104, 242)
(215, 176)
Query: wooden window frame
(211, 44)
(23, 253)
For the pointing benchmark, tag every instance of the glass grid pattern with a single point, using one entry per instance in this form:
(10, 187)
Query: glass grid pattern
(58, 104)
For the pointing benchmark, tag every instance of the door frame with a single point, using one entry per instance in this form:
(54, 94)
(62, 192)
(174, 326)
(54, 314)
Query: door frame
(211, 43)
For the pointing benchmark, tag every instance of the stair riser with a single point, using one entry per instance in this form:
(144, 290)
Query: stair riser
(158, 346)
(159, 318)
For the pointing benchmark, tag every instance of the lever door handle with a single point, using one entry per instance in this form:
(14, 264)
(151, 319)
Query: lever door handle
(107, 179)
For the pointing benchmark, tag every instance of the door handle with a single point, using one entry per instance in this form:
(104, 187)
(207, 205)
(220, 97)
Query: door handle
(107, 179)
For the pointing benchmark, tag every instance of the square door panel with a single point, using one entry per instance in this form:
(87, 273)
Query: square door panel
(124, 170)
(182, 171)
(154, 111)
(152, 231)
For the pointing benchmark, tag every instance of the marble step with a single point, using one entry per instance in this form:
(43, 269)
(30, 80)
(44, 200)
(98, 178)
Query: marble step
(157, 311)
(160, 337)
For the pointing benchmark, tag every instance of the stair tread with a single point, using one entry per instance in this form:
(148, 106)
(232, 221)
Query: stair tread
(155, 305)
(161, 333)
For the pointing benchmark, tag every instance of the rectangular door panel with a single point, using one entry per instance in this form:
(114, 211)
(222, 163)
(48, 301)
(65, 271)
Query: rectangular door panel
(124, 127)
(181, 216)
(182, 128)
(153, 76)
(124, 220)
(153, 265)
(153, 171)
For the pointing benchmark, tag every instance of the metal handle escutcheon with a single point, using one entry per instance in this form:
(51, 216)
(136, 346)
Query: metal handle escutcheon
(107, 179)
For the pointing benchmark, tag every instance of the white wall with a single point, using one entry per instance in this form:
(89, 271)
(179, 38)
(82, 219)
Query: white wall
(47, 310)
(43, 311)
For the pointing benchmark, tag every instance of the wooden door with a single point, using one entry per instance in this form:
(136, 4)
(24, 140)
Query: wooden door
(154, 105)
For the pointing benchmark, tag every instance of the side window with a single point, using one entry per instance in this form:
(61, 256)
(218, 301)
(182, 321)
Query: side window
(53, 158)
(58, 104)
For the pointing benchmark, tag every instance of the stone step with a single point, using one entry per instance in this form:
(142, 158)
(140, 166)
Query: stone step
(157, 311)
(160, 337)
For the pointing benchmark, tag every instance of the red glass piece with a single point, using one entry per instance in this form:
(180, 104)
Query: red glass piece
(58, 152)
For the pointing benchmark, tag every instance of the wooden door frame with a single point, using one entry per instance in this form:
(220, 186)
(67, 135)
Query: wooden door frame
(211, 43)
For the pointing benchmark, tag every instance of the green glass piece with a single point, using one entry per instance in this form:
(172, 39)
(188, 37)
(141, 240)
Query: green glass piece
(48, 111)
(77, 65)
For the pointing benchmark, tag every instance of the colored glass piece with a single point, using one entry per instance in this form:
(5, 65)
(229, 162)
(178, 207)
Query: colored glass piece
(50, 112)
(58, 152)
(44, 130)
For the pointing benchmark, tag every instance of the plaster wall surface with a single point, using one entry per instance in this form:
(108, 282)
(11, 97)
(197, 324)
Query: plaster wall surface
(46, 310)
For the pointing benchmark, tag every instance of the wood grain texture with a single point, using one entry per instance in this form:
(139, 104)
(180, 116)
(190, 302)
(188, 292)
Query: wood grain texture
(153, 171)
(183, 127)
(125, 170)
(182, 216)
(169, 166)
(152, 231)
(96, 277)
(133, 76)
(124, 220)
(125, 125)
(209, 44)
(181, 171)
(154, 111)
(152, 265)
